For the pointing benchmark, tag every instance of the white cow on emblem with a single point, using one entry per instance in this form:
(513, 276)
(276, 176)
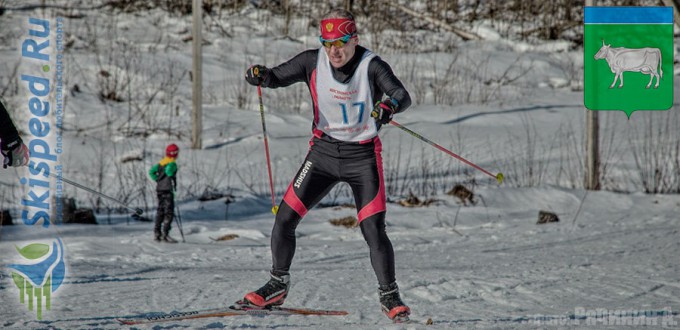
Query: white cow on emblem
(643, 60)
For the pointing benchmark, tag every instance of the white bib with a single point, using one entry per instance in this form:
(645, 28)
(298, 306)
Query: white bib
(344, 110)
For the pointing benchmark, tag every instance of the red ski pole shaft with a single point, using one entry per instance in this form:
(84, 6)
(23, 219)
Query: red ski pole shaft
(266, 149)
(498, 177)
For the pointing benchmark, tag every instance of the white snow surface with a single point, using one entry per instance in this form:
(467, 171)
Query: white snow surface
(482, 265)
(495, 269)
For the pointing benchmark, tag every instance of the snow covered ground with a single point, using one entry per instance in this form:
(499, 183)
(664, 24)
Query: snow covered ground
(495, 269)
(487, 265)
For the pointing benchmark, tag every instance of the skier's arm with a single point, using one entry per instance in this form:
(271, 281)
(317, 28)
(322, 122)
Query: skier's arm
(388, 83)
(295, 70)
(8, 132)
(153, 172)
(14, 151)
(171, 169)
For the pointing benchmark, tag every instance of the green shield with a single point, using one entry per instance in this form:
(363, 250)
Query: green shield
(628, 58)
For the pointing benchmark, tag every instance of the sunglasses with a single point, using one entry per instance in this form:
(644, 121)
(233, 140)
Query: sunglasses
(338, 43)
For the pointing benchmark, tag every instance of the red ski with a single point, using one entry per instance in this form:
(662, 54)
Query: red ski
(224, 312)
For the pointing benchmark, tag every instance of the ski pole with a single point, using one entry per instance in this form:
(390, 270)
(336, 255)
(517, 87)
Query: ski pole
(138, 211)
(498, 177)
(275, 208)
(178, 219)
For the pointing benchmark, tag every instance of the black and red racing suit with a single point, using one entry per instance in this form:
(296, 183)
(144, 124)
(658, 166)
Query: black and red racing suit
(331, 160)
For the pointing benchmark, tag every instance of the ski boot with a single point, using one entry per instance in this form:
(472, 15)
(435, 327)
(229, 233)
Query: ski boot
(168, 239)
(391, 303)
(273, 293)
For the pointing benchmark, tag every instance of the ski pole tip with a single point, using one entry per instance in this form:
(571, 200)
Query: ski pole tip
(499, 178)
(275, 209)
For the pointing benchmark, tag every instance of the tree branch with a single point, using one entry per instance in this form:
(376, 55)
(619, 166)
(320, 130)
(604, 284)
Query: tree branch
(461, 33)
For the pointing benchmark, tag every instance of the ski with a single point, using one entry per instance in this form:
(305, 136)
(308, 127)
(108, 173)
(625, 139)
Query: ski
(224, 312)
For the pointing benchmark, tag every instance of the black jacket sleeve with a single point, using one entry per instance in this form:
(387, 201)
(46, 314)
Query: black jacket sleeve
(297, 69)
(8, 132)
(384, 79)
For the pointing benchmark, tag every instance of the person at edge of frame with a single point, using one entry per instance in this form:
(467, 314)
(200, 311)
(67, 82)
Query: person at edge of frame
(13, 149)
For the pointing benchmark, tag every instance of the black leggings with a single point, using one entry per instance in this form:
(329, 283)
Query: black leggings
(373, 229)
(164, 214)
(327, 163)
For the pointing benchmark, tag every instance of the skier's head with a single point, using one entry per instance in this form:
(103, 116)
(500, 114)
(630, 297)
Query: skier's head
(339, 36)
(172, 150)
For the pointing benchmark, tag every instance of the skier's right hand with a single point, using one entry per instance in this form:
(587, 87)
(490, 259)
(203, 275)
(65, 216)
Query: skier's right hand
(384, 111)
(15, 153)
(255, 74)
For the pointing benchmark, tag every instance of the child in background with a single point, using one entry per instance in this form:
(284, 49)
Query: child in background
(165, 175)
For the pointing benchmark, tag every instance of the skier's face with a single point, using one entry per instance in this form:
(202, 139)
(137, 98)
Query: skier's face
(340, 55)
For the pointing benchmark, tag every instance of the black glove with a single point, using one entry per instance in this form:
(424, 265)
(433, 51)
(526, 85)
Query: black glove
(384, 110)
(15, 153)
(255, 74)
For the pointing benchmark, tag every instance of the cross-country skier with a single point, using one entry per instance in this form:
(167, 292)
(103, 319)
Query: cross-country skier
(165, 175)
(13, 149)
(347, 83)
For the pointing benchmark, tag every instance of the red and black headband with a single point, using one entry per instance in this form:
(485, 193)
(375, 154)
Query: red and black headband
(334, 28)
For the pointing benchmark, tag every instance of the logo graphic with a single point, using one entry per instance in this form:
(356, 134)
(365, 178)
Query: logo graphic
(38, 280)
(329, 27)
(631, 42)
(620, 60)
(303, 174)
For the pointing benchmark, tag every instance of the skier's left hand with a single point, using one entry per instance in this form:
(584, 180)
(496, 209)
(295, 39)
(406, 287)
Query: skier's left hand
(256, 74)
(384, 111)
(15, 153)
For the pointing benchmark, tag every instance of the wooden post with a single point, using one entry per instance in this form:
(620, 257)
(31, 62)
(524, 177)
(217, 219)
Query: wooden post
(592, 170)
(197, 99)
(592, 179)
